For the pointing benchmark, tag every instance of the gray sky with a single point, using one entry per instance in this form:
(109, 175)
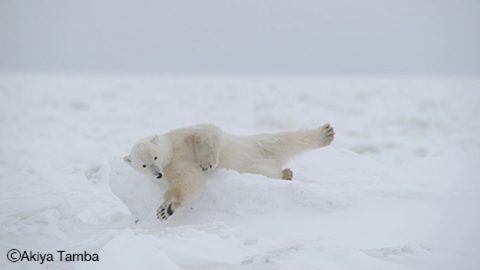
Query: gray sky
(241, 36)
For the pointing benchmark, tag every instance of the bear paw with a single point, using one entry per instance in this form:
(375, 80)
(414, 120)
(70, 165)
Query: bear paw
(205, 166)
(327, 134)
(165, 210)
(287, 174)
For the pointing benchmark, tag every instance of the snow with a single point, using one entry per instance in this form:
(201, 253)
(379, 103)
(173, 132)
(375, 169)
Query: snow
(398, 189)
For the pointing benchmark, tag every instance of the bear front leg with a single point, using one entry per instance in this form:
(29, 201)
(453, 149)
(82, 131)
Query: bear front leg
(186, 182)
(170, 204)
(207, 145)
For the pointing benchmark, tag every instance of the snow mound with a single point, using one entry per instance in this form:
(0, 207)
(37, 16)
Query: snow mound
(229, 194)
(140, 195)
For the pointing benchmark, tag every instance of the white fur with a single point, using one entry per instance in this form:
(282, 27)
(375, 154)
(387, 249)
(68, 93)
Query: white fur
(184, 155)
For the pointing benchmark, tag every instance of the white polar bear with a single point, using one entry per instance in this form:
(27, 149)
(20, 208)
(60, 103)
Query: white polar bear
(183, 156)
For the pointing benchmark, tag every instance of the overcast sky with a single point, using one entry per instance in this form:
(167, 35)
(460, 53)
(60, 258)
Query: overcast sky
(242, 36)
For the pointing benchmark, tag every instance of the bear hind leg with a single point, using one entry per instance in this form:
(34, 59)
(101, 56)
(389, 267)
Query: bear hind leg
(272, 171)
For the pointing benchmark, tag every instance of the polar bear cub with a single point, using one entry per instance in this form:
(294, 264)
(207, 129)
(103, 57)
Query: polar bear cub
(183, 157)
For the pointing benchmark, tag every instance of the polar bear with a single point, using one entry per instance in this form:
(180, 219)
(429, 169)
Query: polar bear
(184, 156)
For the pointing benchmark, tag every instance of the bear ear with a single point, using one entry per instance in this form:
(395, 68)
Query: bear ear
(127, 159)
(155, 140)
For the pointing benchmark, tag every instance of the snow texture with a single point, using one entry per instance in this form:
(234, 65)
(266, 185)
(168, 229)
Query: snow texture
(398, 189)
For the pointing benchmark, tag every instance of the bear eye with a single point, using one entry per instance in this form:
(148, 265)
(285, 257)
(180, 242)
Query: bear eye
(144, 165)
(155, 158)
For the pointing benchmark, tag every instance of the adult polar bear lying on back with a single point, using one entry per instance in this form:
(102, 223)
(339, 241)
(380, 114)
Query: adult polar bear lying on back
(184, 155)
